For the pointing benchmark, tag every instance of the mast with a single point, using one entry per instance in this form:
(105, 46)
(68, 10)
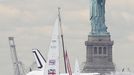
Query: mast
(62, 39)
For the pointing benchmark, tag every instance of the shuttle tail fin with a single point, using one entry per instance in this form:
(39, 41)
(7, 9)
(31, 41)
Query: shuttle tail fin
(39, 58)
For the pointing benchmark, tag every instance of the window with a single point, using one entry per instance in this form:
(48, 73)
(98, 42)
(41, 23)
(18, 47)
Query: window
(104, 50)
(100, 50)
(95, 50)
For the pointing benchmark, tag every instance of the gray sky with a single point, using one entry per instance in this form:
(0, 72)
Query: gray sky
(31, 22)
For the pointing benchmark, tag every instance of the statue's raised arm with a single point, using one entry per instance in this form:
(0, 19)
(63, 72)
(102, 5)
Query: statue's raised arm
(98, 17)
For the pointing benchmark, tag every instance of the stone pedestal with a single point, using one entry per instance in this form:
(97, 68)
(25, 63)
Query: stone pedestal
(99, 54)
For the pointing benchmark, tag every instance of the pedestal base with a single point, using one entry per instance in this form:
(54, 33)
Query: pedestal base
(99, 55)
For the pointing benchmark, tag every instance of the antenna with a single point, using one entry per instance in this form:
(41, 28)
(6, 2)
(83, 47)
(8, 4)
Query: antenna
(62, 38)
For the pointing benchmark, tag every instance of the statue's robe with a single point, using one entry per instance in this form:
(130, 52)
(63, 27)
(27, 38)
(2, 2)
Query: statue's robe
(98, 16)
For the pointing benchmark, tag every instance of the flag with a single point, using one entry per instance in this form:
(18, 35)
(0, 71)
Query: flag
(68, 64)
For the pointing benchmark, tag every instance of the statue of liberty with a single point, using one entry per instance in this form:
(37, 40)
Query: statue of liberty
(98, 17)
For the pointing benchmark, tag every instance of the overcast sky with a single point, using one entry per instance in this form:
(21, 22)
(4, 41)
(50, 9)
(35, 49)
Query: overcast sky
(31, 22)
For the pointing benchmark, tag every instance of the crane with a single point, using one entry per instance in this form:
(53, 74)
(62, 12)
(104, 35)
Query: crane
(17, 65)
